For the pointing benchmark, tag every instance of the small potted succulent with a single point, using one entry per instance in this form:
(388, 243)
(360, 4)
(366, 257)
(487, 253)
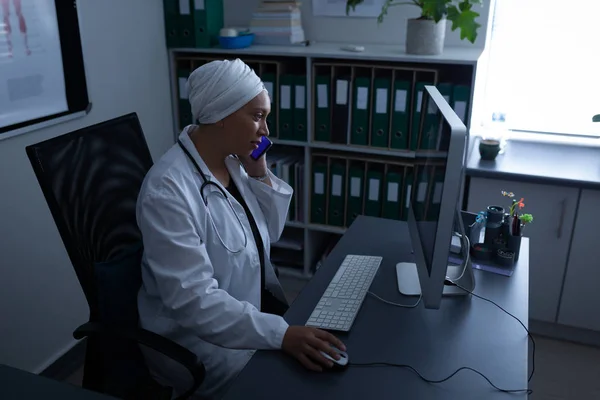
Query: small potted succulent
(516, 222)
(425, 35)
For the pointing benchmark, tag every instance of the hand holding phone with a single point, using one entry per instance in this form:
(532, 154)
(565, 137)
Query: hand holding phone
(263, 147)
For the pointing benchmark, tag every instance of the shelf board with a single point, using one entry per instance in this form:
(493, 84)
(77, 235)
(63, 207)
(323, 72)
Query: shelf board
(295, 224)
(288, 142)
(293, 273)
(327, 228)
(373, 52)
(363, 149)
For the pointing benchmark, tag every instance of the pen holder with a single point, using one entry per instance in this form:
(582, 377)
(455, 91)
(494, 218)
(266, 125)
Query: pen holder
(514, 244)
(505, 257)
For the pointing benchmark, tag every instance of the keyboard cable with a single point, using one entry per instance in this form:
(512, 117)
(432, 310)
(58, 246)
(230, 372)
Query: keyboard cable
(450, 282)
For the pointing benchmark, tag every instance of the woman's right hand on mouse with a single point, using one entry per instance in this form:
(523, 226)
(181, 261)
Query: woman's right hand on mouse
(305, 344)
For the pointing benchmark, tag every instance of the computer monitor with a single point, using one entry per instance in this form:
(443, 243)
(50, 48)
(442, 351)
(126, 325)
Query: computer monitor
(434, 213)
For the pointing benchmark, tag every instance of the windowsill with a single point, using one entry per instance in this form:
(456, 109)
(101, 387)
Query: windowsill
(542, 138)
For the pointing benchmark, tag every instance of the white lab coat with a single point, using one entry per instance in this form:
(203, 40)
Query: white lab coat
(194, 291)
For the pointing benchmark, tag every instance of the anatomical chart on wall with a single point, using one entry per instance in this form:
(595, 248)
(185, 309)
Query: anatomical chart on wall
(32, 83)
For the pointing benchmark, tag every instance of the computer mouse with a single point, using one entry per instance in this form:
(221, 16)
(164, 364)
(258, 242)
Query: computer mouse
(342, 362)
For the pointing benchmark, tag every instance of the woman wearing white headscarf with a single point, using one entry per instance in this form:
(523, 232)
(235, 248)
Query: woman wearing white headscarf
(208, 283)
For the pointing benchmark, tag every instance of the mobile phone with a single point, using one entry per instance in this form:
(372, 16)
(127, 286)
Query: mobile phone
(263, 147)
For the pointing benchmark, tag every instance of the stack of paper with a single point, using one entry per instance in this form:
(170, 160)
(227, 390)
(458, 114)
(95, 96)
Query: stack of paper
(277, 23)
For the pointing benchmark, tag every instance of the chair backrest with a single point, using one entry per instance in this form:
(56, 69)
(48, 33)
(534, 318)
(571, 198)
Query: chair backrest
(91, 179)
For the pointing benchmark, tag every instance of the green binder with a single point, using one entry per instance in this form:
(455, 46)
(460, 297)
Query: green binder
(171, 13)
(435, 197)
(445, 89)
(318, 198)
(373, 194)
(355, 198)
(415, 134)
(400, 115)
(381, 113)
(407, 192)
(337, 193)
(360, 111)
(300, 117)
(460, 102)
(183, 103)
(393, 195)
(322, 108)
(184, 23)
(286, 111)
(421, 193)
(208, 20)
(270, 84)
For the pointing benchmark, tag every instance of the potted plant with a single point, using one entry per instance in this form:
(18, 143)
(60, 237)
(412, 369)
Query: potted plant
(596, 118)
(425, 35)
(517, 222)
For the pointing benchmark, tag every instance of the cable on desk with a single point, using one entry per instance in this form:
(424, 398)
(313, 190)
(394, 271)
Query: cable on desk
(517, 319)
(396, 304)
(449, 282)
(386, 364)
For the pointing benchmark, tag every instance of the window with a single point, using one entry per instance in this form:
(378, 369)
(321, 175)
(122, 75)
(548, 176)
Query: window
(544, 67)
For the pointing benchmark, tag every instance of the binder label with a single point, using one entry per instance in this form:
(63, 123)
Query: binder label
(381, 103)
(374, 189)
(184, 7)
(322, 100)
(408, 194)
(460, 108)
(392, 195)
(286, 94)
(355, 187)
(269, 87)
(319, 183)
(437, 193)
(341, 97)
(421, 192)
(419, 100)
(183, 88)
(401, 96)
(199, 4)
(300, 97)
(362, 98)
(336, 185)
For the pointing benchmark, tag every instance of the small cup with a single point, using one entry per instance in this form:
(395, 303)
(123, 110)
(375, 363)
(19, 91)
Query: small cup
(489, 149)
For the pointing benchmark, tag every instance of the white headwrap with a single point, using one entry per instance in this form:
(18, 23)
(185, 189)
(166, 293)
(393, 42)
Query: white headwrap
(220, 88)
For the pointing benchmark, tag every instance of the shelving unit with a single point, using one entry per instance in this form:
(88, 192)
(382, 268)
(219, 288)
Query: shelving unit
(453, 72)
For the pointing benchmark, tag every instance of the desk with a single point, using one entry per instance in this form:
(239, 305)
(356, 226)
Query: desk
(465, 331)
(16, 384)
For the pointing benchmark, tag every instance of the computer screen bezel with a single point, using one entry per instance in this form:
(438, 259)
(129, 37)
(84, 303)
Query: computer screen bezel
(432, 282)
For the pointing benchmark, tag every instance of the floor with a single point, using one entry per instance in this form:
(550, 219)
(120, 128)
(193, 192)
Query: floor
(564, 370)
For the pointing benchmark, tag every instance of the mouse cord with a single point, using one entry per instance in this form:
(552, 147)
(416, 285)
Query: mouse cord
(396, 304)
(386, 364)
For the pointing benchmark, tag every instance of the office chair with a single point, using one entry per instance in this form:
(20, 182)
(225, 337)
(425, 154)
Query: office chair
(90, 179)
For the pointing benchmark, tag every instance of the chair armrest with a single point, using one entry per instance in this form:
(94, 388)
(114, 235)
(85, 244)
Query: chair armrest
(154, 341)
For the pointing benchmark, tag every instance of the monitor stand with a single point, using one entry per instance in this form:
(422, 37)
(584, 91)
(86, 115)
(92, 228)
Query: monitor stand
(409, 285)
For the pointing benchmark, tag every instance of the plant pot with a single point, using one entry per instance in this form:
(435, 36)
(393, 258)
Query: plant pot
(489, 149)
(425, 36)
(514, 244)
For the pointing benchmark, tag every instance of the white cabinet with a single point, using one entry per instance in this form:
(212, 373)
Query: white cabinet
(580, 303)
(553, 209)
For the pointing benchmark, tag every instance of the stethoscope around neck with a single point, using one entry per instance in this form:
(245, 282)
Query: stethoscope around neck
(206, 183)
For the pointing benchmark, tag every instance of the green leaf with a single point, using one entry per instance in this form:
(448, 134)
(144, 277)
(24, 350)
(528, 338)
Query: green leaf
(465, 20)
(465, 5)
(435, 9)
(596, 118)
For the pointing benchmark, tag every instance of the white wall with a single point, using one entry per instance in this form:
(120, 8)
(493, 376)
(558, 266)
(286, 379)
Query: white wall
(41, 302)
(355, 30)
